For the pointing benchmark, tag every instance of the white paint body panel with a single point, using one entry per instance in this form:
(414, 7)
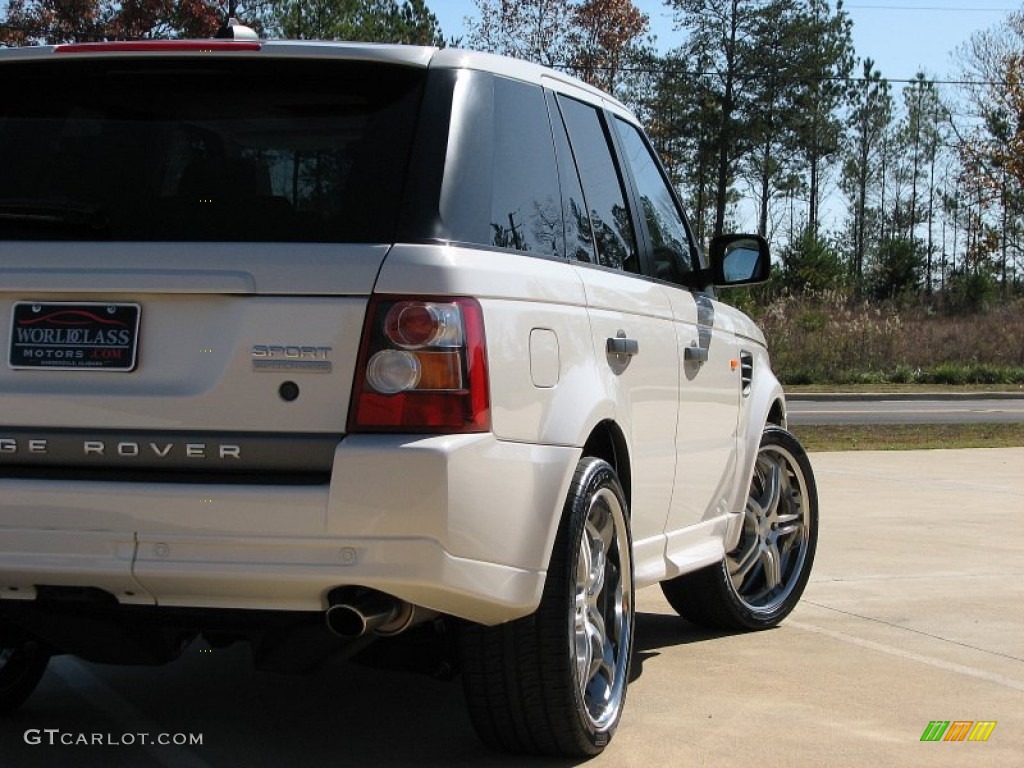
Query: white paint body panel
(461, 524)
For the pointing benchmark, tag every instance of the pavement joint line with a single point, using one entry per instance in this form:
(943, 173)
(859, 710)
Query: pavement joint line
(915, 631)
(892, 651)
(124, 714)
(910, 577)
(911, 396)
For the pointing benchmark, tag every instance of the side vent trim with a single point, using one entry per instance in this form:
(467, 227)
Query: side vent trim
(746, 372)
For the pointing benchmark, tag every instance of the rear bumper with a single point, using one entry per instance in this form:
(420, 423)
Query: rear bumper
(462, 524)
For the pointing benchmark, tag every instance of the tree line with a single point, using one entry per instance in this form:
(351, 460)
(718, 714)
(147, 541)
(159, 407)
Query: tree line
(33, 22)
(765, 114)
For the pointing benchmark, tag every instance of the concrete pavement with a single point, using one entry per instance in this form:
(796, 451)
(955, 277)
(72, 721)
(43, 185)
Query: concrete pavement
(913, 614)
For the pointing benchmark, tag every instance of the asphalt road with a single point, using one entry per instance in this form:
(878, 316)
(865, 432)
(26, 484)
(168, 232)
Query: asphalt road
(885, 409)
(913, 615)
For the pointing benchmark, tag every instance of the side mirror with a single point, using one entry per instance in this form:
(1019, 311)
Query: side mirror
(740, 260)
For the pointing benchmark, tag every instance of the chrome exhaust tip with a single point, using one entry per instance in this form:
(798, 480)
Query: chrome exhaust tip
(355, 612)
(361, 614)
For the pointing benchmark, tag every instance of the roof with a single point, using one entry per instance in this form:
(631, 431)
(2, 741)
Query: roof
(405, 55)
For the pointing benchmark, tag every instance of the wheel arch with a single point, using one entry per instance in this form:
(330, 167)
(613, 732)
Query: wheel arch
(765, 405)
(607, 441)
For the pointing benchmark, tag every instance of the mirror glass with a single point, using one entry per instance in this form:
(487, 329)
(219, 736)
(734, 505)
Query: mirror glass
(740, 263)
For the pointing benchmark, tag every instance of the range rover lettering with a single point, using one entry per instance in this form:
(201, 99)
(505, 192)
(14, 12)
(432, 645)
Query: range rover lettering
(431, 327)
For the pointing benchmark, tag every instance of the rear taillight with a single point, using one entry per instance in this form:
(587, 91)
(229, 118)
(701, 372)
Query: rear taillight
(422, 368)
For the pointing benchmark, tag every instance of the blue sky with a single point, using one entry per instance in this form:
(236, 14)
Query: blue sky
(902, 36)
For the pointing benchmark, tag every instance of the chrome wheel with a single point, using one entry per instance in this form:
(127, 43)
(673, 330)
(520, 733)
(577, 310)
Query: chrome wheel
(554, 682)
(602, 615)
(767, 563)
(761, 579)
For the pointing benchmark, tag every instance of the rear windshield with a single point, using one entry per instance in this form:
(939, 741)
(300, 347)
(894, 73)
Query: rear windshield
(204, 149)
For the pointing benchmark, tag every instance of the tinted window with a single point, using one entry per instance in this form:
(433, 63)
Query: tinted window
(501, 180)
(669, 239)
(211, 149)
(579, 240)
(609, 217)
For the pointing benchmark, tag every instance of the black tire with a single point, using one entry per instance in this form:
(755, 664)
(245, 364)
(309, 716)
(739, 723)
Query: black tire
(22, 664)
(523, 679)
(761, 580)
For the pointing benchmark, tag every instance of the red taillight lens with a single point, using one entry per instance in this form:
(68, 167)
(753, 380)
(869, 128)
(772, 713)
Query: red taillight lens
(421, 324)
(422, 368)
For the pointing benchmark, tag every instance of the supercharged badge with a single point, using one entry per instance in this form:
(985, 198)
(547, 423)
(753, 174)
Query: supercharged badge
(74, 336)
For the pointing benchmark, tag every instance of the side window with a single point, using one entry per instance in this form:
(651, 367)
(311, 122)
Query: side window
(526, 213)
(579, 240)
(501, 184)
(606, 199)
(669, 237)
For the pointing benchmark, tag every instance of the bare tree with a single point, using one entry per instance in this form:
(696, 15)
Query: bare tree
(605, 34)
(534, 30)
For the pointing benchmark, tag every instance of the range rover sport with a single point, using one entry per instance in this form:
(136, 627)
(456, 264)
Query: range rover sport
(312, 344)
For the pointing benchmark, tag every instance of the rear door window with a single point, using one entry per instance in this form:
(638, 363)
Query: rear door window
(213, 149)
(579, 240)
(610, 219)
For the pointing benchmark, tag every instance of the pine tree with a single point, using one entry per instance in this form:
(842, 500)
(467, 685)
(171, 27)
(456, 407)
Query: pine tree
(375, 21)
(870, 116)
(824, 62)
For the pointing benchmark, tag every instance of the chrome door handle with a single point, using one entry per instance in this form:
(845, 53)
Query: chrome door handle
(620, 345)
(695, 354)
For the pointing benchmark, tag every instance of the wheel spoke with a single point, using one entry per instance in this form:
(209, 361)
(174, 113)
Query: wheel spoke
(616, 603)
(605, 668)
(739, 568)
(600, 686)
(584, 650)
(598, 642)
(585, 566)
(606, 527)
(790, 518)
(598, 558)
(771, 491)
(771, 561)
(592, 646)
(788, 530)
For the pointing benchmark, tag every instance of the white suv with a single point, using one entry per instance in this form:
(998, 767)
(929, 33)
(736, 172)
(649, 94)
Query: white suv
(309, 344)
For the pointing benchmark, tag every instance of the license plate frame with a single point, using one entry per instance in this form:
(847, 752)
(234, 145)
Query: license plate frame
(74, 336)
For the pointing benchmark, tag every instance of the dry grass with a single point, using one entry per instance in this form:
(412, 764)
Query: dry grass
(830, 339)
(892, 437)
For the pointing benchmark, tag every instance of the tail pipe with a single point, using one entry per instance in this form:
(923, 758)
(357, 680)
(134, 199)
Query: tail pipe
(354, 613)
